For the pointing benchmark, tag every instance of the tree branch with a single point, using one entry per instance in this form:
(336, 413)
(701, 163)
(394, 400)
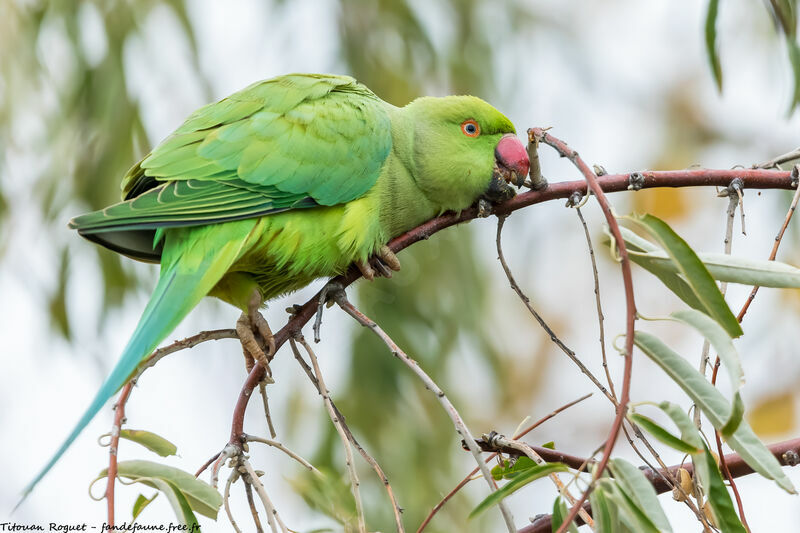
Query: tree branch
(787, 453)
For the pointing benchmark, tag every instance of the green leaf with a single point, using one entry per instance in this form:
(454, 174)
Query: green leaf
(151, 441)
(722, 267)
(719, 339)
(629, 513)
(717, 493)
(528, 476)
(733, 269)
(201, 496)
(509, 471)
(715, 407)
(723, 344)
(657, 262)
(692, 270)
(661, 434)
(177, 499)
(711, 42)
(560, 513)
(634, 483)
(603, 514)
(794, 60)
(689, 432)
(140, 503)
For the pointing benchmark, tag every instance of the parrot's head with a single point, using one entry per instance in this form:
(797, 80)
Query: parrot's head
(465, 149)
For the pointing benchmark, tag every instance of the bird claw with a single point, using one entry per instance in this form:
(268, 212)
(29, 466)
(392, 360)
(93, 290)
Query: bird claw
(382, 263)
(247, 326)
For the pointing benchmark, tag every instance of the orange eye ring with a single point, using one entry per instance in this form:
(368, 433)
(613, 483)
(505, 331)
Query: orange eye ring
(470, 128)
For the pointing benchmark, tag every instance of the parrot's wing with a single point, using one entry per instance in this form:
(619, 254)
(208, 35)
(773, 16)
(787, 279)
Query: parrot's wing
(325, 137)
(292, 142)
(130, 227)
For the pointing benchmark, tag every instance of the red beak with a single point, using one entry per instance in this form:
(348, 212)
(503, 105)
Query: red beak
(511, 154)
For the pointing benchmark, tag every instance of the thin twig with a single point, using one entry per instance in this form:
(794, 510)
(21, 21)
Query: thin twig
(226, 453)
(734, 200)
(367, 457)
(226, 499)
(775, 245)
(431, 385)
(600, 316)
(630, 309)
(119, 419)
(348, 450)
(525, 300)
(253, 511)
(284, 449)
(262, 387)
(493, 455)
(778, 161)
(206, 464)
(183, 344)
(272, 513)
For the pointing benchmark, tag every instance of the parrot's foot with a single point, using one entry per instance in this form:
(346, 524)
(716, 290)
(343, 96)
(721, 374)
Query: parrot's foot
(382, 263)
(255, 335)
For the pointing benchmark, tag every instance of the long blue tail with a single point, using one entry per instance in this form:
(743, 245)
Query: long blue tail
(189, 271)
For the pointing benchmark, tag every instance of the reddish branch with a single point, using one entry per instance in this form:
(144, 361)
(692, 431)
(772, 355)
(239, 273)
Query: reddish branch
(630, 306)
(119, 419)
(786, 452)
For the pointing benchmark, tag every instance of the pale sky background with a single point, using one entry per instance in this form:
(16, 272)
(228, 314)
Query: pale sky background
(602, 94)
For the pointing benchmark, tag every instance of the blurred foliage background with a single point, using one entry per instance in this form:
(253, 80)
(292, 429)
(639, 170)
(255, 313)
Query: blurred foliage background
(73, 119)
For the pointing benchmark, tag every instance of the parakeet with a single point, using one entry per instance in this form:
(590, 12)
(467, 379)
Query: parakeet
(289, 180)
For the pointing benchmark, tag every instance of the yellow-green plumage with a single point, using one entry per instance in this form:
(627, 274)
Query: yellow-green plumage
(286, 181)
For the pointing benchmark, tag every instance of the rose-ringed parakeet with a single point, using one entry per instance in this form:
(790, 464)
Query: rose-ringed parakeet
(286, 181)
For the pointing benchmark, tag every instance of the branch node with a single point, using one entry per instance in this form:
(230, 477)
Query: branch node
(791, 457)
(795, 175)
(574, 199)
(635, 181)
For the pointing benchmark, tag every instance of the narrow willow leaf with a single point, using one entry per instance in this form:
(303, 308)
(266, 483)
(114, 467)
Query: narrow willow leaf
(653, 259)
(633, 482)
(601, 511)
(140, 503)
(794, 59)
(715, 407)
(631, 517)
(734, 269)
(661, 434)
(151, 441)
(177, 499)
(689, 432)
(711, 42)
(509, 471)
(669, 278)
(692, 270)
(517, 483)
(559, 514)
(719, 339)
(717, 493)
(200, 496)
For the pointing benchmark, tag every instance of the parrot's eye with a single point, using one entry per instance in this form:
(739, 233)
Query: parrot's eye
(470, 128)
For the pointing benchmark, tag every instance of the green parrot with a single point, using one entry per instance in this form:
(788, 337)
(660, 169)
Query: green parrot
(289, 180)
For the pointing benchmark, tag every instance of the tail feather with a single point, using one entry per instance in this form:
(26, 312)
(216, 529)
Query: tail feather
(191, 265)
